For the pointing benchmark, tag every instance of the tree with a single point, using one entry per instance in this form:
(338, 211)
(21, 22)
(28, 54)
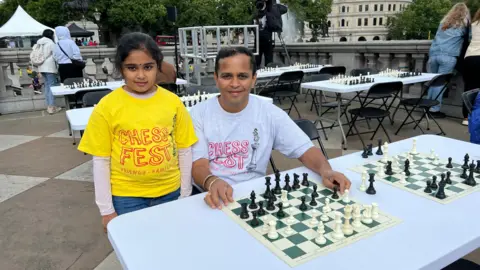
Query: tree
(473, 5)
(314, 12)
(42, 11)
(131, 14)
(418, 20)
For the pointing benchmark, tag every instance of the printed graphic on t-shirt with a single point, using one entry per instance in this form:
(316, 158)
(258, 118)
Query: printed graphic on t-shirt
(253, 162)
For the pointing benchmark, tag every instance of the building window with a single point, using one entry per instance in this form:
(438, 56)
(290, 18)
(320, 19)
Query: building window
(374, 21)
(381, 7)
(389, 7)
(380, 21)
(343, 9)
(329, 23)
(375, 7)
(347, 23)
(360, 8)
(343, 22)
(366, 8)
(394, 7)
(359, 22)
(348, 9)
(365, 22)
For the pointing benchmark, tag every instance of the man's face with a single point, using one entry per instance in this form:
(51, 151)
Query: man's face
(235, 80)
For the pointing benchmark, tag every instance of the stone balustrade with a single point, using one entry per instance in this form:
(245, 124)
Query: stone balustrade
(409, 55)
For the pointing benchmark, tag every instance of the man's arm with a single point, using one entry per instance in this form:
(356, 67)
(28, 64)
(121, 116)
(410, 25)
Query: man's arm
(218, 190)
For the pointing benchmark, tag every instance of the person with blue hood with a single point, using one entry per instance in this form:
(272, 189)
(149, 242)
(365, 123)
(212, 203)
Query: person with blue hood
(66, 55)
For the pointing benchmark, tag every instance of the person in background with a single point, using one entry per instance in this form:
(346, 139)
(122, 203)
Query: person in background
(140, 136)
(166, 73)
(66, 50)
(446, 48)
(472, 62)
(48, 69)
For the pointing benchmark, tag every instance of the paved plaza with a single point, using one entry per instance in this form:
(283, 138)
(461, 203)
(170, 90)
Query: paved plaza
(49, 217)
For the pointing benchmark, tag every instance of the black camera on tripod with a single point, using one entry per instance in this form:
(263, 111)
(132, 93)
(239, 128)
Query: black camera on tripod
(273, 14)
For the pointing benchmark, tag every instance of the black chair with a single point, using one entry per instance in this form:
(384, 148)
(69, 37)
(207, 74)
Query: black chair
(363, 71)
(425, 104)
(275, 64)
(469, 99)
(311, 130)
(333, 70)
(391, 88)
(462, 264)
(91, 99)
(193, 89)
(288, 86)
(172, 87)
(76, 99)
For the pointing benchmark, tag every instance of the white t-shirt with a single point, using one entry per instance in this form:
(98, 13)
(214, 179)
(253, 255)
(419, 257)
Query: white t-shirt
(238, 145)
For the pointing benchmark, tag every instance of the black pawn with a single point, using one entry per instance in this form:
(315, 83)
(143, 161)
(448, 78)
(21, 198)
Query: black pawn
(407, 167)
(267, 190)
(464, 174)
(335, 192)
(253, 204)
(471, 180)
(314, 193)
(303, 206)
(261, 211)
(477, 170)
(254, 221)
(277, 189)
(449, 165)
(296, 181)
(365, 153)
(305, 180)
(287, 186)
(434, 185)
(313, 202)
(379, 150)
(448, 180)
(270, 204)
(370, 150)
(442, 178)
(465, 160)
(371, 189)
(280, 212)
(427, 188)
(389, 168)
(244, 214)
(441, 191)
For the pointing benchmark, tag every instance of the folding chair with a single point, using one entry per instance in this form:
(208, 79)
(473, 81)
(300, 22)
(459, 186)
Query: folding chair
(311, 130)
(172, 87)
(91, 99)
(425, 104)
(287, 86)
(333, 70)
(391, 88)
(469, 99)
(363, 71)
(77, 97)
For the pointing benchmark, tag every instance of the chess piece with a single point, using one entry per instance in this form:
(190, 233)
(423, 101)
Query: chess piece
(477, 170)
(287, 186)
(261, 211)
(356, 216)
(471, 178)
(326, 207)
(371, 189)
(296, 182)
(290, 218)
(320, 239)
(288, 230)
(303, 206)
(277, 190)
(407, 167)
(389, 170)
(434, 186)
(465, 160)
(253, 204)
(448, 180)
(314, 220)
(365, 153)
(272, 233)
(346, 197)
(314, 193)
(449, 165)
(427, 188)
(379, 150)
(403, 179)
(280, 213)
(464, 174)
(244, 213)
(441, 191)
(363, 186)
(267, 190)
(305, 180)
(254, 222)
(335, 192)
(380, 170)
(370, 150)
(375, 210)
(414, 147)
(270, 204)
(313, 202)
(347, 229)
(284, 198)
(338, 233)
(367, 214)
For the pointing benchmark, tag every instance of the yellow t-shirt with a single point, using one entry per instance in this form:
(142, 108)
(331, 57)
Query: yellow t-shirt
(142, 137)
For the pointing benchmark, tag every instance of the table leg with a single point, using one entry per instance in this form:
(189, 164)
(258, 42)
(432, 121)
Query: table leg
(67, 107)
(339, 115)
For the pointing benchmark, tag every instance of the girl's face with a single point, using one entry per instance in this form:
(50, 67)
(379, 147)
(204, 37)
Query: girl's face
(140, 71)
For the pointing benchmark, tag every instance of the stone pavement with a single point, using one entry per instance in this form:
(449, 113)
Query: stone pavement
(49, 217)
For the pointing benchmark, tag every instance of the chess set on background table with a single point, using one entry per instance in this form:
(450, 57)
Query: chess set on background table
(399, 74)
(296, 66)
(85, 84)
(426, 175)
(192, 100)
(302, 221)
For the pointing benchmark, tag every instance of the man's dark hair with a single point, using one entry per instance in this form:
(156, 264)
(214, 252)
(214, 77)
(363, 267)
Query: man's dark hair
(232, 51)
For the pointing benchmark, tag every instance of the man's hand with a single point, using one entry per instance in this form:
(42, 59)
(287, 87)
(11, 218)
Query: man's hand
(332, 178)
(106, 219)
(220, 192)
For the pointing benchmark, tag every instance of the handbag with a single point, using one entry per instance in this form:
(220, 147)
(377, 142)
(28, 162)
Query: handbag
(78, 63)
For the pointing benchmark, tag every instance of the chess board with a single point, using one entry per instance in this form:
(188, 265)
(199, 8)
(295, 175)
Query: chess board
(296, 66)
(299, 246)
(352, 80)
(85, 84)
(192, 100)
(399, 74)
(422, 169)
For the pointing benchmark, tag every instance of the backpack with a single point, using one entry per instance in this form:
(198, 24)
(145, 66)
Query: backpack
(36, 56)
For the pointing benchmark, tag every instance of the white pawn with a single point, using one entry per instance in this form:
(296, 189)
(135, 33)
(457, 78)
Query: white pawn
(380, 170)
(273, 234)
(414, 147)
(347, 228)
(363, 186)
(314, 220)
(265, 224)
(285, 199)
(367, 214)
(346, 198)
(338, 233)
(326, 207)
(290, 218)
(356, 216)
(374, 210)
(321, 238)
(324, 217)
(403, 178)
(288, 230)
(432, 154)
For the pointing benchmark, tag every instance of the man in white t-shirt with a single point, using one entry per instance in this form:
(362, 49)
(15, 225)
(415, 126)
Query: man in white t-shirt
(237, 131)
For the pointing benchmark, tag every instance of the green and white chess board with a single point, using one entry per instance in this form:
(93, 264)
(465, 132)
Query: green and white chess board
(298, 245)
(422, 169)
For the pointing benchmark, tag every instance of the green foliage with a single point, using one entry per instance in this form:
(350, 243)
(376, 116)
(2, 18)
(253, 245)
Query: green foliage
(473, 5)
(41, 10)
(131, 14)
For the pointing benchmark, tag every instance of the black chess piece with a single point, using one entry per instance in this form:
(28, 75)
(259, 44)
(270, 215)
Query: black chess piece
(287, 186)
(477, 170)
(267, 190)
(371, 189)
(407, 167)
(465, 160)
(471, 178)
(365, 153)
(303, 206)
(441, 191)
(280, 212)
(270, 204)
(370, 150)
(314, 193)
(244, 214)
(464, 174)
(277, 189)
(254, 221)
(389, 170)
(449, 165)
(448, 180)
(434, 185)
(296, 181)
(261, 211)
(313, 202)
(335, 193)
(427, 188)
(442, 178)
(253, 204)
(305, 180)
(379, 150)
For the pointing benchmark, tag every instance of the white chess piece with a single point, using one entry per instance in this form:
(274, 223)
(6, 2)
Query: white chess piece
(432, 154)
(265, 224)
(374, 210)
(403, 178)
(285, 199)
(314, 220)
(367, 214)
(338, 233)
(356, 216)
(380, 170)
(290, 218)
(435, 160)
(385, 153)
(363, 186)
(346, 197)
(326, 207)
(414, 147)
(324, 217)
(288, 230)
(321, 238)
(347, 228)
(272, 233)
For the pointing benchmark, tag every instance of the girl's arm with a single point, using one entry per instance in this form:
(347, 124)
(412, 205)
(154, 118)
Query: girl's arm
(185, 164)
(103, 190)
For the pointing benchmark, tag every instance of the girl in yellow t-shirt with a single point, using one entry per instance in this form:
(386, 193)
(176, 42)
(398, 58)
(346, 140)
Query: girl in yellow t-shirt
(139, 136)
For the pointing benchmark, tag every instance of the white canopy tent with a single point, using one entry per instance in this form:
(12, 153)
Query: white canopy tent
(22, 25)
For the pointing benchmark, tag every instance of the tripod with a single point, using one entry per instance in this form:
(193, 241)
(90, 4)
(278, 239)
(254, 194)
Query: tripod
(284, 47)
